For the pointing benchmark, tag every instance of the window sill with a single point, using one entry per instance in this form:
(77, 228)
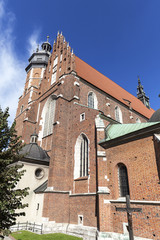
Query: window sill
(81, 178)
(47, 135)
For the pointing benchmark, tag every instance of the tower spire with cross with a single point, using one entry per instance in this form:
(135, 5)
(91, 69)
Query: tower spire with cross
(141, 94)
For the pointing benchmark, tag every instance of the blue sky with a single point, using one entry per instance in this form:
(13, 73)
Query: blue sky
(120, 38)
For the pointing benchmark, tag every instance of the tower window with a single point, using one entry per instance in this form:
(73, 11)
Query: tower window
(123, 180)
(21, 110)
(53, 79)
(55, 61)
(61, 58)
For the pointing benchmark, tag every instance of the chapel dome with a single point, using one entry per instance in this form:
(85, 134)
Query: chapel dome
(34, 152)
(155, 117)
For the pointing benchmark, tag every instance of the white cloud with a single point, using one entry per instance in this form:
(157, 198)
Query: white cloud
(12, 72)
(12, 67)
(33, 42)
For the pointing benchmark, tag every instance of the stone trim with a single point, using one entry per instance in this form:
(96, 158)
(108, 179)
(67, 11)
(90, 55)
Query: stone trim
(116, 236)
(82, 194)
(56, 191)
(26, 120)
(85, 232)
(103, 190)
(101, 154)
(144, 202)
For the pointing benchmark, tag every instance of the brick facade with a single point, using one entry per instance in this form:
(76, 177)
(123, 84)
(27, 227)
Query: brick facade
(67, 198)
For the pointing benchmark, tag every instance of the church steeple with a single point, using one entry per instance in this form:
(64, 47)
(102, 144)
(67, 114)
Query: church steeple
(141, 94)
(46, 46)
(39, 59)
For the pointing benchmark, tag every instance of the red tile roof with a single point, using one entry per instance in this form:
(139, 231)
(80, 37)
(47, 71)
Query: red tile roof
(100, 81)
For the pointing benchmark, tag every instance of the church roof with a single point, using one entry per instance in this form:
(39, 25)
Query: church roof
(42, 187)
(116, 133)
(34, 153)
(100, 81)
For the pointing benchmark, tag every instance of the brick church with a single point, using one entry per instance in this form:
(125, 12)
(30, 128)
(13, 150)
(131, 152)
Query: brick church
(89, 143)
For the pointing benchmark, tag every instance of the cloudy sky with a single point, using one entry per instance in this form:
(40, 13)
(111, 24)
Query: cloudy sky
(120, 38)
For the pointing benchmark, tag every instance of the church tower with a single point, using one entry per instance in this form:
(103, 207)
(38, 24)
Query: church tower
(35, 73)
(141, 94)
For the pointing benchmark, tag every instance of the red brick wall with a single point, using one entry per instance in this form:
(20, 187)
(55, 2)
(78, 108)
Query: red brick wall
(139, 158)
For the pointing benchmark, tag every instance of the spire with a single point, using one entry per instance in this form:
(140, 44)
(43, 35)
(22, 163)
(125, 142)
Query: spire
(141, 94)
(46, 46)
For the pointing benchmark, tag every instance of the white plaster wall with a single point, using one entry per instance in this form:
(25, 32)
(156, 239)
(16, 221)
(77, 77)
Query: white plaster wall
(29, 180)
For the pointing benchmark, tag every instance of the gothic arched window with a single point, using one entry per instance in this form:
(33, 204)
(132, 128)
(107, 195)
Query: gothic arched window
(49, 109)
(118, 114)
(92, 100)
(123, 180)
(81, 157)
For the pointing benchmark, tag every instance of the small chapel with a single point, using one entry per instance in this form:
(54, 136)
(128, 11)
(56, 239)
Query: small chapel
(89, 143)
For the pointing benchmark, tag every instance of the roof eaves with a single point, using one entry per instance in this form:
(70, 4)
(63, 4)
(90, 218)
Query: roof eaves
(41, 188)
(137, 134)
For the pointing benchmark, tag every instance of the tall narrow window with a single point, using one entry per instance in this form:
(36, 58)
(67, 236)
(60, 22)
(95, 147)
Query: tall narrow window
(55, 61)
(123, 180)
(49, 117)
(81, 157)
(84, 157)
(118, 114)
(54, 74)
(21, 110)
(91, 100)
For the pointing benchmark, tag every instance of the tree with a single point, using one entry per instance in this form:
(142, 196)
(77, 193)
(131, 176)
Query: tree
(10, 174)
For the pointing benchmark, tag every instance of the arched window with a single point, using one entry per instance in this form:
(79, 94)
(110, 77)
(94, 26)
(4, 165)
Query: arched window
(49, 112)
(123, 180)
(118, 114)
(81, 157)
(92, 100)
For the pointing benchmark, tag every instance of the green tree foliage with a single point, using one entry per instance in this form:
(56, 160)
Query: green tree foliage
(10, 173)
